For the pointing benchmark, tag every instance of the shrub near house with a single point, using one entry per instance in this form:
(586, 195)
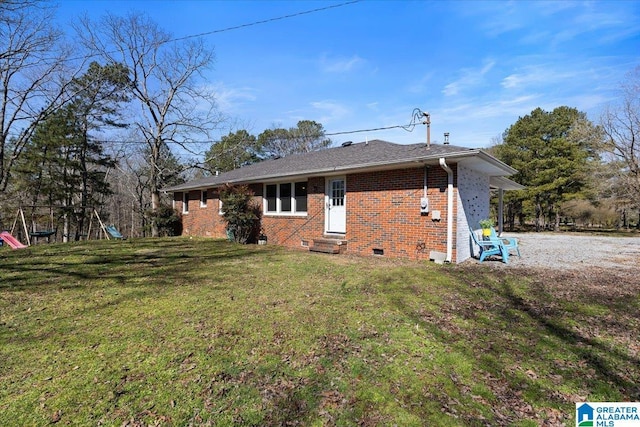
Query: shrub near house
(241, 213)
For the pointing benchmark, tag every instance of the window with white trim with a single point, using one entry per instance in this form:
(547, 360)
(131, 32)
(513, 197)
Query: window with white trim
(287, 198)
(203, 198)
(185, 202)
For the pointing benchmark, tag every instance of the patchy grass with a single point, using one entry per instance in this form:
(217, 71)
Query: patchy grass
(204, 332)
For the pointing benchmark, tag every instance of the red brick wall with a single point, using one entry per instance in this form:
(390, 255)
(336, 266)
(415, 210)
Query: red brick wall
(201, 221)
(286, 230)
(383, 212)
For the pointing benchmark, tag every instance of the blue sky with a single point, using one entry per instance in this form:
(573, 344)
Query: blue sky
(474, 66)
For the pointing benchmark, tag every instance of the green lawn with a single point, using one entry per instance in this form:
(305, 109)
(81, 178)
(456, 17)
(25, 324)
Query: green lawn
(204, 332)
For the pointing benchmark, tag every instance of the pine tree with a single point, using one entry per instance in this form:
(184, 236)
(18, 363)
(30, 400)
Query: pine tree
(553, 152)
(232, 151)
(98, 96)
(63, 165)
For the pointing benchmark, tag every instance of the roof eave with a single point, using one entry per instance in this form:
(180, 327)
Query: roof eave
(216, 181)
(364, 167)
(500, 182)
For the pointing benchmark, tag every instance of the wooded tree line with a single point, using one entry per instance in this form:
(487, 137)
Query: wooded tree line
(576, 171)
(100, 124)
(96, 124)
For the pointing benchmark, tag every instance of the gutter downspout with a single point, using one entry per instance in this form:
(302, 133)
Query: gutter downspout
(443, 165)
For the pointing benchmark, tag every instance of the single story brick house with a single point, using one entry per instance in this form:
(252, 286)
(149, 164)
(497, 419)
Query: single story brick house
(368, 198)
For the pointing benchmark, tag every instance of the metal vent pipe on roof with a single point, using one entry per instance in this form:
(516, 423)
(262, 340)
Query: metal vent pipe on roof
(427, 121)
(446, 138)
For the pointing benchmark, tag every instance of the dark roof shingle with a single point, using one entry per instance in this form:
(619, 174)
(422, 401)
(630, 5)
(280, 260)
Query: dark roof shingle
(344, 158)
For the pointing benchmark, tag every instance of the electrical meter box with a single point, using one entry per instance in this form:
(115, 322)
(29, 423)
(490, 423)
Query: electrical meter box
(424, 205)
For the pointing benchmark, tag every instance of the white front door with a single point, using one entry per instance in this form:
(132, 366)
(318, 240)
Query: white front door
(336, 212)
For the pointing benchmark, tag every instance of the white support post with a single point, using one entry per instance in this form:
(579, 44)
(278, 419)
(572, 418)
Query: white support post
(500, 210)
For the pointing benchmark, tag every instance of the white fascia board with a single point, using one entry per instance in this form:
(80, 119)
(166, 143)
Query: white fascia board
(498, 168)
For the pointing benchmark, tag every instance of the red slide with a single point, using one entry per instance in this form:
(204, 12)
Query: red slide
(11, 241)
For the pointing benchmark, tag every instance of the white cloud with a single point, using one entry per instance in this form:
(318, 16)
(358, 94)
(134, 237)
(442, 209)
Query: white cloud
(514, 80)
(420, 85)
(533, 75)
(555, 77)
(230, 98)
(548, 8)
(557, 22)
(497, 17)
(340, 65)
(470, 77)
(609, 24)
(591, 103)
(373, 106)
(497, 108)
(330, 111)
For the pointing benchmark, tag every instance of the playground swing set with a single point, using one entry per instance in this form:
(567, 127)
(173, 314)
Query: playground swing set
(8, 237)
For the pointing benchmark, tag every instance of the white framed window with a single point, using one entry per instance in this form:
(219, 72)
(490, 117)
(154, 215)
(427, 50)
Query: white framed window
(220, 210)
(203, 198)
(286, 198)
(185, 203)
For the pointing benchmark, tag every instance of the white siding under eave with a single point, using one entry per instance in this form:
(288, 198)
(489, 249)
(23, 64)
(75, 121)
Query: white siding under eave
(473, 205)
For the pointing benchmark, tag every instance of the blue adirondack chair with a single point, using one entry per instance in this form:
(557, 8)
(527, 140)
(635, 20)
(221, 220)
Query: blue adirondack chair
(113, 232)
(508, 242)
(490, 247)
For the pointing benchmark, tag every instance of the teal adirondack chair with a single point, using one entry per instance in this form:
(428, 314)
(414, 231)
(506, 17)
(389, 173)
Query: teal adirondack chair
(490, 247)
(113, 232)
(508, 242)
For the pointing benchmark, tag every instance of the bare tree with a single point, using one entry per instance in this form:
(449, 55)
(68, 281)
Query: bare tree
(131, 188)
(621, 125)
(31, 65)
(165, 74)
(307, 136)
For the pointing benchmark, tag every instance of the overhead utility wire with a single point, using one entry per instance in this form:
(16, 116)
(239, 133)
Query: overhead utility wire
(208, 33)
(405, 127)
(415, 120)
(265, 21)
(416, 117)
(346, 132)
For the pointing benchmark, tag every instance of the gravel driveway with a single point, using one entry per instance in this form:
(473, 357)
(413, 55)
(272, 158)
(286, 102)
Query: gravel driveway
(573, 251)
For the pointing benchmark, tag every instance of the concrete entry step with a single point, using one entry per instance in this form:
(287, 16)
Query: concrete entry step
(328, 246)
